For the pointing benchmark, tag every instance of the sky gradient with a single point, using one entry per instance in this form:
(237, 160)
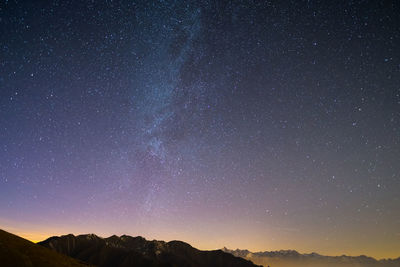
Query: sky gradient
(261, 125)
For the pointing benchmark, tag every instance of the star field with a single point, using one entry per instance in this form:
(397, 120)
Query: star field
(254, 124)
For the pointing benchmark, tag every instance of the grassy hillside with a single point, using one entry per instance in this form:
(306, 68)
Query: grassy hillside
(16, 251)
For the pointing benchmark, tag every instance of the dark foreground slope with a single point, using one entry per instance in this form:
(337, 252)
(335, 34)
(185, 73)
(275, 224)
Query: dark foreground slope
(18, 252)
(291, 258)
(130, 251)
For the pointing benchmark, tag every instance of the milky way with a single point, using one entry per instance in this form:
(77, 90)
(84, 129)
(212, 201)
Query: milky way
(254, 124)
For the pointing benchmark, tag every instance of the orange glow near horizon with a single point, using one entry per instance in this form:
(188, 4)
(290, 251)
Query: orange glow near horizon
(202, 242)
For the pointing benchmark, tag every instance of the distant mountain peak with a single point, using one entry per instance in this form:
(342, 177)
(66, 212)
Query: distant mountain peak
(292, 258)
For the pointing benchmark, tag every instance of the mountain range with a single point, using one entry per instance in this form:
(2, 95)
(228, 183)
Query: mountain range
(292, 258)
(124, 251)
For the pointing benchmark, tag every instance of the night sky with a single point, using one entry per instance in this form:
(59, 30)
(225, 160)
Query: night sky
(261, 125)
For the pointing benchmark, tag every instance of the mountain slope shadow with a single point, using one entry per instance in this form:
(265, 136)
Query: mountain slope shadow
(16, 251)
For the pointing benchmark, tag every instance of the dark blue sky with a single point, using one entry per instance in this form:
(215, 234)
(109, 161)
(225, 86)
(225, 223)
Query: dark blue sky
(253, 124)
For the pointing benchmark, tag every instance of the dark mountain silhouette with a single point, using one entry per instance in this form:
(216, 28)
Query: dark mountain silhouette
(130, 251)
(292, 258)
(18, 252)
